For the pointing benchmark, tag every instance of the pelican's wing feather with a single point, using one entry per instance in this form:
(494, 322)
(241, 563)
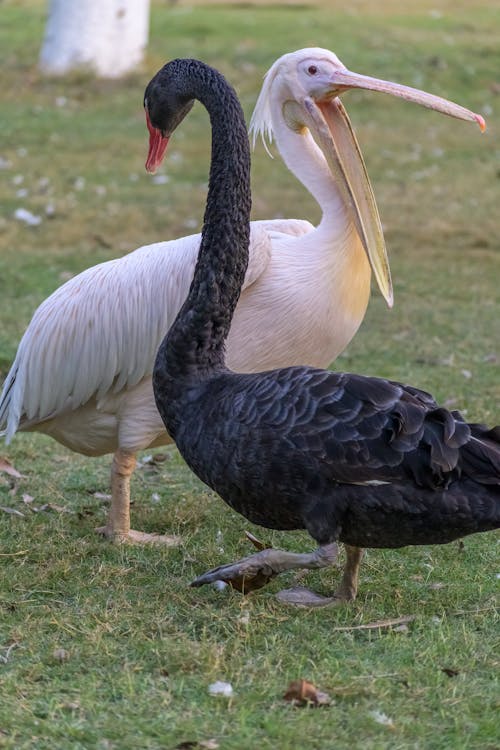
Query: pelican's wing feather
(100, 331)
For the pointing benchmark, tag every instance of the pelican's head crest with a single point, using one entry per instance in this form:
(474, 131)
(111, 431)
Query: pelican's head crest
(261, 123)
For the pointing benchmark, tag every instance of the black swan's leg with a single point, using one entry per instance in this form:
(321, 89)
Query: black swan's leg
(348, 587)
(255, 571)
(346, 592)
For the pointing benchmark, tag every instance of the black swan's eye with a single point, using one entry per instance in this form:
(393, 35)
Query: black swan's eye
(312, 70)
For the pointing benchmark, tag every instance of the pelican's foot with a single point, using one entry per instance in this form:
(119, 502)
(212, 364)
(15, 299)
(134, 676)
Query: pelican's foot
(139, 537)
(257, 570)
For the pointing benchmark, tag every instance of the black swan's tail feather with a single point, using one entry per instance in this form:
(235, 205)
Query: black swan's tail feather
(480, 456)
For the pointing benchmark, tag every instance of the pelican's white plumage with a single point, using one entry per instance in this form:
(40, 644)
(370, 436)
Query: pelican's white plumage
(99, 332)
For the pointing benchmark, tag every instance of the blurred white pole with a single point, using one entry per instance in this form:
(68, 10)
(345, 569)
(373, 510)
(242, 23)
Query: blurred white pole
(107, 37)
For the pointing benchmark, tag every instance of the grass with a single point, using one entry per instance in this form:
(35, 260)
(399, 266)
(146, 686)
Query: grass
(107, 647)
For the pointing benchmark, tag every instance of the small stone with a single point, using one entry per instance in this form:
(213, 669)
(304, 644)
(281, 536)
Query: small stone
(219, 585)
(32, 220)
(60, 654)
(224, 689)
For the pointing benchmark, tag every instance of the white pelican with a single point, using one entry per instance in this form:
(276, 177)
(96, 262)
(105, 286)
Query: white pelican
(82, 372)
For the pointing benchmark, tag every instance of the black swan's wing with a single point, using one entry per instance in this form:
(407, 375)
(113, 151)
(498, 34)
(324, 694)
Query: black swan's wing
(350, 428)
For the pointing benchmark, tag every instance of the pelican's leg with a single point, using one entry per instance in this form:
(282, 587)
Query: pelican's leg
(255, 571)
(118, 523)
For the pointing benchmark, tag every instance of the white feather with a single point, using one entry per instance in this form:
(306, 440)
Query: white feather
(100, 331)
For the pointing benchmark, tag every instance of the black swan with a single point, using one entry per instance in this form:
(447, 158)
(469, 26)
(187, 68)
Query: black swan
(362, 460)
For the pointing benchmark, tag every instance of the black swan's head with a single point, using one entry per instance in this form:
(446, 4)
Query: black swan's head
(166, 104)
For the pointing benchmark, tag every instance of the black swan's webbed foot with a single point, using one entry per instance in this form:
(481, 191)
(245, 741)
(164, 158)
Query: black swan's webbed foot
(346, 592)
(257, 570)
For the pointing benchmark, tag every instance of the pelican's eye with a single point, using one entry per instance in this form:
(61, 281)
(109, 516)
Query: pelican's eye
(312, 70)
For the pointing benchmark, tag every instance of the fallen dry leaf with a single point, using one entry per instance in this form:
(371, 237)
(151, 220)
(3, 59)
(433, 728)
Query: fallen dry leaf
(159, 458)
(27, 498)
(85, 512)
(346, 691)
(12, 511)
(4, 658)
(382, 718)
(102, 241)
(244, 619)
(14, 554)
(256, 542)
(450, 672)
(403, 628)
(379, 624)
(51, 506)
(7, 467)
(304, 693)
(103, 496)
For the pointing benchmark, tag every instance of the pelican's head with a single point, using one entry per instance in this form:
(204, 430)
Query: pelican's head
(307, 84)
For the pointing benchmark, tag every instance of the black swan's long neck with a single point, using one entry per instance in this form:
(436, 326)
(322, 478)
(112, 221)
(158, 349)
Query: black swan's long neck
(195, 341)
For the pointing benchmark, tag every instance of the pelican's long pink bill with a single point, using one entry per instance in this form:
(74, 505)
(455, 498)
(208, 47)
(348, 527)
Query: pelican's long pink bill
(344, 79)
(344, 157)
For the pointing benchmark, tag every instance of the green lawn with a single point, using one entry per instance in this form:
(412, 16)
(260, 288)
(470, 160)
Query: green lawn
(107, 647)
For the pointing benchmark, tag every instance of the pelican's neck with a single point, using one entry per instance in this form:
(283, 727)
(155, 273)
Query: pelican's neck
(195, 341)
(306, 161)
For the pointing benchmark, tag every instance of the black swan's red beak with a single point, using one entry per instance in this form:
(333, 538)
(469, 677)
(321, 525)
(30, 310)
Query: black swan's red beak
(157, 146)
